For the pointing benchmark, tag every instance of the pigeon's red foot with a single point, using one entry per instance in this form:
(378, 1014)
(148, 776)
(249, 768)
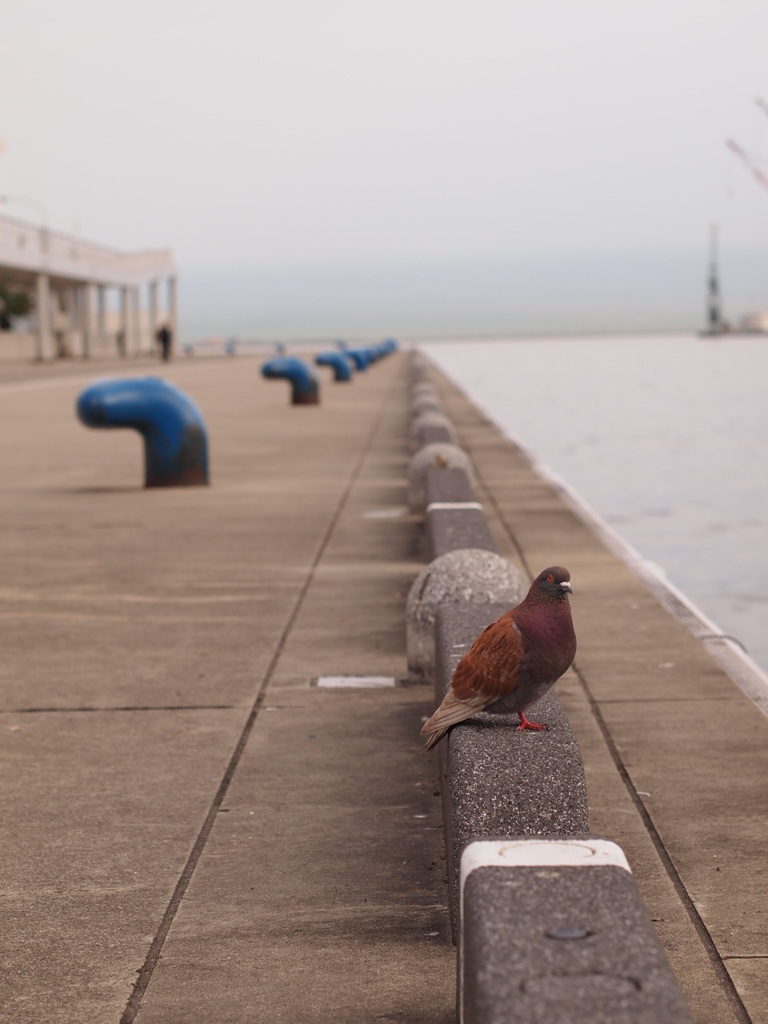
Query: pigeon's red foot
(525, 724)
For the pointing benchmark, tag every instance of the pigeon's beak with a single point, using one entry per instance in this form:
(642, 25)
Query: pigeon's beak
(566, 587)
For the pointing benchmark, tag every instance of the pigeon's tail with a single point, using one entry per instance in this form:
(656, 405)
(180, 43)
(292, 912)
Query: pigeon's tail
(451, 712)
(435, 738)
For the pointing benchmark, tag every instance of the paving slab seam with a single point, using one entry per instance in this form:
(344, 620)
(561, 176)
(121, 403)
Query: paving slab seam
(147, 969)
(131, 708)
(700, 928)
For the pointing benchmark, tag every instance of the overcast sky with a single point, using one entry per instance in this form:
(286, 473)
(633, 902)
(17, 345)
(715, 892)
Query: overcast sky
(302, 156)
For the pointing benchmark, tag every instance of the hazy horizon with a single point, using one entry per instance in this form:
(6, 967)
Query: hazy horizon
(401, 166)
(556, 296)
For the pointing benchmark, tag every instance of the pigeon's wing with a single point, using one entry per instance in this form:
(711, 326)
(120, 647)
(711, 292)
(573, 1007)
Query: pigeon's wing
(488, 670)
(491, 667)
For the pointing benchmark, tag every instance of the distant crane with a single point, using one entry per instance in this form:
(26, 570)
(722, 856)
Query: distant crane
(748, 161)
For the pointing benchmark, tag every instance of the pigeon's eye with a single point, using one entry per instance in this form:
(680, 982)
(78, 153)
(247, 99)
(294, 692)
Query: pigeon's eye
(550, 578)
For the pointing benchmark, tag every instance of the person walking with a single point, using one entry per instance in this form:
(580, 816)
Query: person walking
(164, 338)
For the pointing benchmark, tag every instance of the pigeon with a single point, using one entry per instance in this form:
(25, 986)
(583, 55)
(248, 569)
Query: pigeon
(515, 660)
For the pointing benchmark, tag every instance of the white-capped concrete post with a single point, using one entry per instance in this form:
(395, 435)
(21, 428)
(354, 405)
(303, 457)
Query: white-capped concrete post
(553, 929)
(44, 340)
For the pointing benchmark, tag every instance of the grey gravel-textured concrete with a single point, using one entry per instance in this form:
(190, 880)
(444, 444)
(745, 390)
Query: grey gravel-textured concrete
(425, 402)
(424, 390)
(459, 578)
(495, 780)
(434, 433)
(176, 798)
(429, 422)
(453, 529)
(449, 529)
(553, 944)
(448, 484)
(439, 454)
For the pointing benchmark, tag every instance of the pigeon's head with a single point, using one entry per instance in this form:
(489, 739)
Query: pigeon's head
(554, 582)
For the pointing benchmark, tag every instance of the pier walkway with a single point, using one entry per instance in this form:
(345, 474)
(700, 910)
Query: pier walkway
(193, 831)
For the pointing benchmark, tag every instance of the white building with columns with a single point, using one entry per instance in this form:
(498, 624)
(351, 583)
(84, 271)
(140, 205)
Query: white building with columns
(88, 300)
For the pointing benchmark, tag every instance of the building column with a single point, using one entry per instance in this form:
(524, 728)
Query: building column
(152, 314)
(44, 341)
(173, 312)
(86, 318)
(101, 318)
(66, 339)
(122, 332)
(136, 320)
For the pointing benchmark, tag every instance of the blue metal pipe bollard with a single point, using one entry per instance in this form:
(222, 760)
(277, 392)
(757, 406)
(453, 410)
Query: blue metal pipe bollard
(361, 357)
(304, 386)
(175, 437)
(338, 362)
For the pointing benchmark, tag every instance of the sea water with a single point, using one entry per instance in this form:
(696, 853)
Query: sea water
(666, 437)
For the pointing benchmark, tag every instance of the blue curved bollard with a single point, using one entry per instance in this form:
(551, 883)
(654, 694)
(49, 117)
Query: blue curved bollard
(175, 437)
(360, 357)
(338, 362)
(304, 387)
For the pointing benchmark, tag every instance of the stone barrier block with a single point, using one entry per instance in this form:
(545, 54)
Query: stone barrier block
(423, 390)
(433, 434)
(496, 781)
(448, 484)
(431, 418)
(455, 518)
(553, 931)
(451, 529)
(441, 456)
(420, 369)
(423, 402)
(459, 578)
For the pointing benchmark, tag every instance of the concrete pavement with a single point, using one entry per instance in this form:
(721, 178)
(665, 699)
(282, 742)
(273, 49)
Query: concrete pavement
(177, 799)
(184, 812)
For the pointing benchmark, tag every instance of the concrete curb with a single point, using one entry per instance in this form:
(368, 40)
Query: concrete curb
(494, 780)
(555, 930)
(442, 455)
(431, 427)
(498, 782)
(455, 518)
(457, 579)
